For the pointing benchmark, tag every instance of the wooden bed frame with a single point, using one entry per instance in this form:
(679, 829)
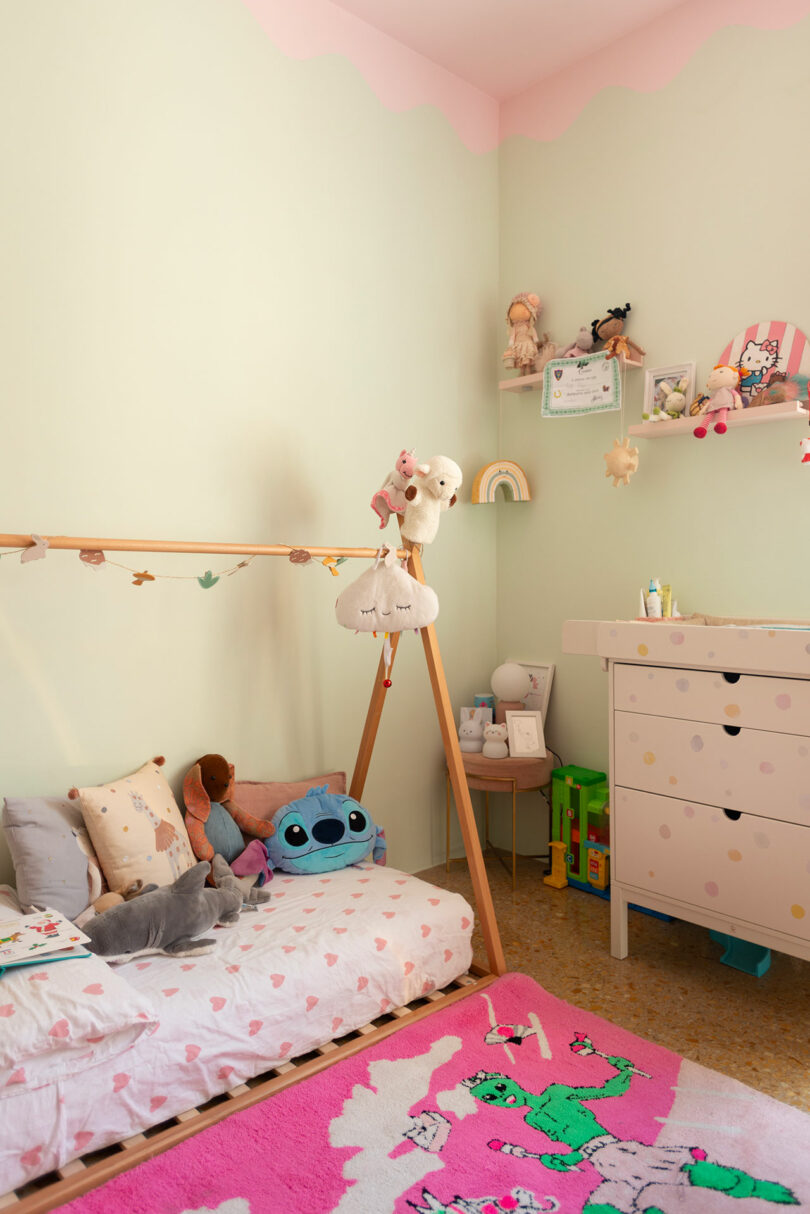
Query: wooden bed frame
(93, 1169)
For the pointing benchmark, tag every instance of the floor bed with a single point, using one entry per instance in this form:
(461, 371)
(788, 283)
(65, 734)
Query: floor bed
(328, 962)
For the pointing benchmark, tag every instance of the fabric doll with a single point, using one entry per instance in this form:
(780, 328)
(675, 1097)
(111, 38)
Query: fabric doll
(722, 387)
(609, 330)
(390, 498)
(523, 341)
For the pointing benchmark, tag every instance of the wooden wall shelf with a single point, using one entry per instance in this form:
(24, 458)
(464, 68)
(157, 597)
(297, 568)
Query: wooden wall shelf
(759, 415)
(526, 383)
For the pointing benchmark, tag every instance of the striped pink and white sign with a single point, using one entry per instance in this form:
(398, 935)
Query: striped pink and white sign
(771, 347)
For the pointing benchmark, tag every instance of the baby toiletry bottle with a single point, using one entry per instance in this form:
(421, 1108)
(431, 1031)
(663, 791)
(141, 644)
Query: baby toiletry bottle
(653, 602)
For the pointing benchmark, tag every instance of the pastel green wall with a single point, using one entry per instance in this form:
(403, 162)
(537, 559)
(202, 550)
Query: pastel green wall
(692, 204)
(235, 287)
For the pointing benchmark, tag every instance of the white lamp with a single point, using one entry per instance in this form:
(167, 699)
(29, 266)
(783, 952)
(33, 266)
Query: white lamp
(511, 683)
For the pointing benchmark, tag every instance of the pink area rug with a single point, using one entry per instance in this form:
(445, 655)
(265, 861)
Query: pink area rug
(510, 1100)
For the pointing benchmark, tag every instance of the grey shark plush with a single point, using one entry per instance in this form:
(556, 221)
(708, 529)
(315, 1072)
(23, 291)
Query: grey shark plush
(168, 919)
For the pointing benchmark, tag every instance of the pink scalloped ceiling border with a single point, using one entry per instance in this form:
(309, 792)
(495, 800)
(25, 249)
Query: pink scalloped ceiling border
(645, 60)
(401, 78)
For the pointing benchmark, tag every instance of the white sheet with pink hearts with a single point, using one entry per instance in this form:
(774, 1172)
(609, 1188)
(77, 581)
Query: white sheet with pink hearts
(59, 1019)
(328, 953)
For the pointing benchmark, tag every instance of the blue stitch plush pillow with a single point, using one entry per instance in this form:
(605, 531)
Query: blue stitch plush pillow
(321, 832)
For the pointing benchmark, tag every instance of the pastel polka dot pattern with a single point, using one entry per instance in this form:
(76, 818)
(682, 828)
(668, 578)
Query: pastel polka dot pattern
(783, 702)
(676, 638)
(712, 889)
(696, 743)
(642, 651)
(732, 710)
(797, 911)
(649, 758)
(664, 831)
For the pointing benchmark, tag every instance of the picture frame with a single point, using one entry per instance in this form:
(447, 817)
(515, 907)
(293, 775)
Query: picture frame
(539, 693)
(477, 712)
(655, 376)
(525, 732)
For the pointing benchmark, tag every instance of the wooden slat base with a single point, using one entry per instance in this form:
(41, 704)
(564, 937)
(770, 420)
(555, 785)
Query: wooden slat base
(81, 1175)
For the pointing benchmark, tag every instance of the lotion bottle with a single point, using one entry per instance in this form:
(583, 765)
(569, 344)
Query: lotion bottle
(653, 602)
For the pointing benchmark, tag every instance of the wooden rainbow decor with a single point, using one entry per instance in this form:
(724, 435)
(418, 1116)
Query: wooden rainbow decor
(505, 472)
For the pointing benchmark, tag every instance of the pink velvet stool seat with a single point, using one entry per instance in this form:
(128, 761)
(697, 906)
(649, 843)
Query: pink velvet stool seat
(501, 775)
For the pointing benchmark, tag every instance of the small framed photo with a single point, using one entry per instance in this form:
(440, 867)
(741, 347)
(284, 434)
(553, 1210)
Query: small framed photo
(655, 377)
(525, 730)
(540, 680)
(481, 713)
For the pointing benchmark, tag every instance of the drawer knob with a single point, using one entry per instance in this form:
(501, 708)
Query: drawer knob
(732, 730)
(733, 815)
(731, 678)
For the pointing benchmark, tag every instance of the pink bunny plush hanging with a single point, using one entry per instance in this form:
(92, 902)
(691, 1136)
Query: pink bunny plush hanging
(390, 497)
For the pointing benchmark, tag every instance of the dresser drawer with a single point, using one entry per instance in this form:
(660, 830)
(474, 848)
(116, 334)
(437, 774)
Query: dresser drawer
(753, 770)
(751, 700)
(748, 869)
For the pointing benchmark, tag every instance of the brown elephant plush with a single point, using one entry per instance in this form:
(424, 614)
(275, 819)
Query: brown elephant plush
(216, 825)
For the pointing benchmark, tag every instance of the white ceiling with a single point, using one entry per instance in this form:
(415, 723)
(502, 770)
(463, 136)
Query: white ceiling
(503, 46)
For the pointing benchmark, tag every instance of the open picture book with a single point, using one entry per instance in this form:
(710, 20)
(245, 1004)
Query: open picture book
(38, 938)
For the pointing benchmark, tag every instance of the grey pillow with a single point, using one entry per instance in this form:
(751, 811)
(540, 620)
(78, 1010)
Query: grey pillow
(54, 862)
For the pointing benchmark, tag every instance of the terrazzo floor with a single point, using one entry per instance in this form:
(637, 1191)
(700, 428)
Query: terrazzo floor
(672, 988)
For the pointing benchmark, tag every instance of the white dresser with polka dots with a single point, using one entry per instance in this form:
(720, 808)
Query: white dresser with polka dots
(709, 774)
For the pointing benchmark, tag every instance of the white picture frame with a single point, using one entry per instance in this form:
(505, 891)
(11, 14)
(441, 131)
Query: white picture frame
(525, 731)
(655, 376)
(541, 677)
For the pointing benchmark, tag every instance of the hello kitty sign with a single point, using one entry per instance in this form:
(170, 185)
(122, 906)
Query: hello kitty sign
(769, 350)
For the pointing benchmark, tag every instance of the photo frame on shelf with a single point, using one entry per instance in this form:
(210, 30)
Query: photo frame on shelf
(525, 732)
(541, 677)
(655, 376)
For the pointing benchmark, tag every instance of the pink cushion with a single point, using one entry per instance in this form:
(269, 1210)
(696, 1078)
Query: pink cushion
(262, 798)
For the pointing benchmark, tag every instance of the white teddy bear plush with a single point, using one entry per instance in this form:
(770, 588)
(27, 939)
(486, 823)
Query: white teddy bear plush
(495, 744)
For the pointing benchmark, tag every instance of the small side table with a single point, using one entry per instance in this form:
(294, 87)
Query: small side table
(501, 775)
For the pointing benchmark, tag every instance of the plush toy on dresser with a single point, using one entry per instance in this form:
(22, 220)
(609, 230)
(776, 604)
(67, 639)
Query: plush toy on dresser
(722, 388)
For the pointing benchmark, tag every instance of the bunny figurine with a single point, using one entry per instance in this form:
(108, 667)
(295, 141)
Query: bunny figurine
(471, 733)
(495, 744)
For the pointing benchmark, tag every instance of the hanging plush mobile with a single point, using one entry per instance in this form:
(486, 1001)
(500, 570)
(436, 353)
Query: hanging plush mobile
(386, 598)
(622, 462)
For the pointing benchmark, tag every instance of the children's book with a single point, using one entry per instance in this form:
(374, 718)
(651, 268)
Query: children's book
(39, 938)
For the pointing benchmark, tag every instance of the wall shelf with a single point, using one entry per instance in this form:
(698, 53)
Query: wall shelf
(757, 416)
(527, 383)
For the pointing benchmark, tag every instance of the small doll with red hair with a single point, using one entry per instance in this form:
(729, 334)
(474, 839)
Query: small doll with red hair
(723, 393)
